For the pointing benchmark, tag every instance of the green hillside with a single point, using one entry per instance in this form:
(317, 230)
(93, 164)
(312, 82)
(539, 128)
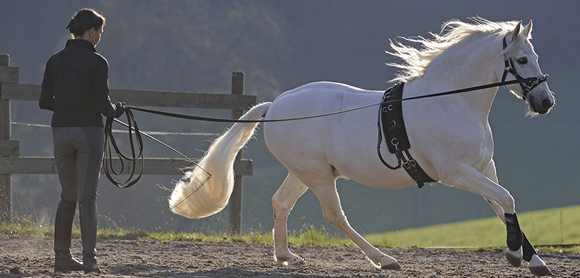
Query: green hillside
(543, 227)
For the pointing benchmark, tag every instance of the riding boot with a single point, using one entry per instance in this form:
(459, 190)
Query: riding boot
(65, 214)
(88, 219)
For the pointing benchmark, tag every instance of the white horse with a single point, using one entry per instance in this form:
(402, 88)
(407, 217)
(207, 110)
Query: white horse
(450, 135)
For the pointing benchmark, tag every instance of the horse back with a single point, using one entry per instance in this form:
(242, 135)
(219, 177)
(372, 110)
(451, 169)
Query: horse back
(344, 142)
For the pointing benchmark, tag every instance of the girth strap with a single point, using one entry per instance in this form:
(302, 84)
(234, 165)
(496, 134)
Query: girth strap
(393, 126)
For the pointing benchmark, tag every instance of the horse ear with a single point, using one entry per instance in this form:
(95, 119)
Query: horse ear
(528, 30)
(516, 31)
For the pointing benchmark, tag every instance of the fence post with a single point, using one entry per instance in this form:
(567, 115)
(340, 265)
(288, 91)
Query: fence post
(7, 147)
(236, 198)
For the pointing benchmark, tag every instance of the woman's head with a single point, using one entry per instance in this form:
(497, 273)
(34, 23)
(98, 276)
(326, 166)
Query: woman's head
(84, 21)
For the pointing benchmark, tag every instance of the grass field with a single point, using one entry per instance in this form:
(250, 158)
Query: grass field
(544, 227)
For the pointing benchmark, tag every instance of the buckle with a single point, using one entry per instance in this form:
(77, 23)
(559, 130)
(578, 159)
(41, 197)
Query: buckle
(410, 164)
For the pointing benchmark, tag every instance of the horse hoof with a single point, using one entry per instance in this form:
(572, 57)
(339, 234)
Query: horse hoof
(540, 270)
(514, 257)
(295, 260)
(538, 267)
(393, 266)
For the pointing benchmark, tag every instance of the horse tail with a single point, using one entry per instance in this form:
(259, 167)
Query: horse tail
(194, 199)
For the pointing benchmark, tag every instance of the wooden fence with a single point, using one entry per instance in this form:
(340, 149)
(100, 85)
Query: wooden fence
(12, 163)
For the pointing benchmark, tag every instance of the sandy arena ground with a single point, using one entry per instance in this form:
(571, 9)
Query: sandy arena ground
(33, 257)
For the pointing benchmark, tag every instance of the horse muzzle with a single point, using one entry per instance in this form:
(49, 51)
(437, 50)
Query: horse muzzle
(542, 103)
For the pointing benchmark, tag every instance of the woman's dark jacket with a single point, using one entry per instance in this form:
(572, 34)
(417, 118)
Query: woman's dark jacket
(76, 86)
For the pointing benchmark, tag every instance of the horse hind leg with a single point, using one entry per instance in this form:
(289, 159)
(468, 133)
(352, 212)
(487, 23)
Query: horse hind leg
(333, 214)
(283, 202)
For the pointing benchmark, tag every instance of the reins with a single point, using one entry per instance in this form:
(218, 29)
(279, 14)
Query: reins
(209, 119)
(110, 142)
(133, 128)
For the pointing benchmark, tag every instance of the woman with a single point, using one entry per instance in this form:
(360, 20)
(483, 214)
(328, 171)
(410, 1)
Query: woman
(75, 88)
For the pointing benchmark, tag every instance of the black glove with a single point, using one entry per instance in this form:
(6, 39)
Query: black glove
(120, 109)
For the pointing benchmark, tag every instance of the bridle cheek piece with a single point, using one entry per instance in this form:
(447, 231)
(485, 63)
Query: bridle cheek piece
(527, 84)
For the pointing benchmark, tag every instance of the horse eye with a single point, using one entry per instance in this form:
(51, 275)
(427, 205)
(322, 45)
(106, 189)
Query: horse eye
(523, 60)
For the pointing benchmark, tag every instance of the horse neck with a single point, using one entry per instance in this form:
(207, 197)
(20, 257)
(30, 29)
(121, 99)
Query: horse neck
(471, 63)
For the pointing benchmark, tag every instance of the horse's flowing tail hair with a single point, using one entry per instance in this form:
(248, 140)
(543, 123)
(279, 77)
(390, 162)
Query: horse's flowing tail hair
(194, 199)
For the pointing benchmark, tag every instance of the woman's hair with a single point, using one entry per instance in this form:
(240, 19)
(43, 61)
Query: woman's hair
(84, 20)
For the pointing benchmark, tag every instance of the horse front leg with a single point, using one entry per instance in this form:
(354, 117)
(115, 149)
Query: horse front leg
(514, 257)
(471, 180)
(283, 202)
(516, 239)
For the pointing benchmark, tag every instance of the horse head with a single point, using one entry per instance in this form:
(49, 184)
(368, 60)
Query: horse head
(521, 63)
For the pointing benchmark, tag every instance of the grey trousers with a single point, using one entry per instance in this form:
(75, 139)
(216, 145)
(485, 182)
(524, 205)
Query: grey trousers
(78, 152)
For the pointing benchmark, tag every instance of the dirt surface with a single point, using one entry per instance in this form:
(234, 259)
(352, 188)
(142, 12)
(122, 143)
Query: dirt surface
(33, 257)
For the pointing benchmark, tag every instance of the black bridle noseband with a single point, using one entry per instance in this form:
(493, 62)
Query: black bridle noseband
(527, 84)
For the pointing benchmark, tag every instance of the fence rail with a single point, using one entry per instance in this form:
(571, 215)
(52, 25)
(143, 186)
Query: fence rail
(153, 166)
(12, 163)
(145, 98)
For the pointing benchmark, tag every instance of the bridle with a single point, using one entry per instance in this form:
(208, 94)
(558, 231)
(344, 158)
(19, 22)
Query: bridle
(527, 84)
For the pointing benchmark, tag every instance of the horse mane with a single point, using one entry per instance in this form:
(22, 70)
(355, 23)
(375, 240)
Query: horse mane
(416, 61)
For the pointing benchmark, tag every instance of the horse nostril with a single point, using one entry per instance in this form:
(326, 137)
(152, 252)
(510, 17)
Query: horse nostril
(546, 104)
